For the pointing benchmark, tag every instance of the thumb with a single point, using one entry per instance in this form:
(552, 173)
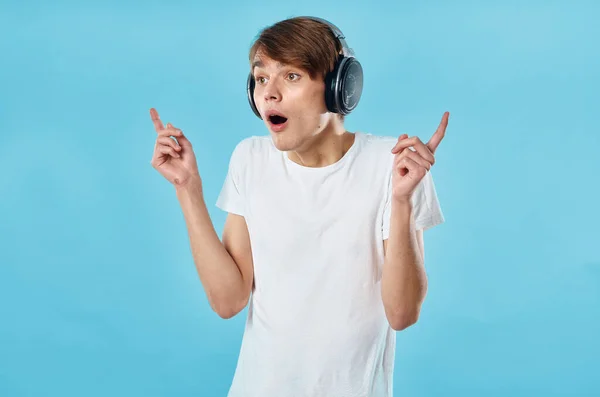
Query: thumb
(401, 137)
(181, 139)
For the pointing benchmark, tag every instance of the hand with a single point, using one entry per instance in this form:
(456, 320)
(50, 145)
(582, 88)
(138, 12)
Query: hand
(175, 160)
(410, 166)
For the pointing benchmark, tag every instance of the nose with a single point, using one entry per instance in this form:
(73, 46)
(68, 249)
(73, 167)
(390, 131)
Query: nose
(271, 92)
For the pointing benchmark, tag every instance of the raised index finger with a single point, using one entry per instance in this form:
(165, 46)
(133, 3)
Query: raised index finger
(439, 133)
(158, 125)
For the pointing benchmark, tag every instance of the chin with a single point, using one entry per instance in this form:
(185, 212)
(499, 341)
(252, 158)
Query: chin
(283, 142)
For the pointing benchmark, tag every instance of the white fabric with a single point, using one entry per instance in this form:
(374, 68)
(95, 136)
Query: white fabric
(316, 324)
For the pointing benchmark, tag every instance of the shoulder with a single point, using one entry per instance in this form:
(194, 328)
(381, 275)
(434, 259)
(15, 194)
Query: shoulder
(378, 143)
(374, 139)
(378, 146)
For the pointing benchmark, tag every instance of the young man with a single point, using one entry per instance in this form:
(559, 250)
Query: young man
(324, 233)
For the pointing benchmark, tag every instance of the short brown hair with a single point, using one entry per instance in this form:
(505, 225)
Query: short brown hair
(301, 42)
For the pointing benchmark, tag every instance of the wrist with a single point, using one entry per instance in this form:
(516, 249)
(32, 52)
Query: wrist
(403, 213)
(190, 186)
(402, 201)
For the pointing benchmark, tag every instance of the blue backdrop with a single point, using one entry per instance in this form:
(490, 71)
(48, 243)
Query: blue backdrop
(98, 292)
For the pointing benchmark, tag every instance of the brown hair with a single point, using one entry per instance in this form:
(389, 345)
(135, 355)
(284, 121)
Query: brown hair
(301, 42)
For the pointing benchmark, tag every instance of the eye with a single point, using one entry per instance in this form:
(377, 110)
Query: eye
(294, 74)
(259, 79)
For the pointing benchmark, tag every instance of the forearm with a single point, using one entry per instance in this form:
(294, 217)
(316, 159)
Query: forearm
(404, 281)
(218, 272)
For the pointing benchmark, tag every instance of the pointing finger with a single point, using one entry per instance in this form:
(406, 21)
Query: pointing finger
(158, 125)
(439, 133)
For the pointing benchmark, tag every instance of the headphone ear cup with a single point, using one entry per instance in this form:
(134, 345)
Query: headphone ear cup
(250, 83)
(331, 80)
(350, 85)
(343, 86)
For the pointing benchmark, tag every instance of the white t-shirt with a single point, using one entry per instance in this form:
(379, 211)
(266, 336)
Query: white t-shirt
(316, 325)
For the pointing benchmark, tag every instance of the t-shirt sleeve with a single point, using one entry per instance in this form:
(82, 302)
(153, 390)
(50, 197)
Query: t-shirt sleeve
(232, 196)
(427, 211)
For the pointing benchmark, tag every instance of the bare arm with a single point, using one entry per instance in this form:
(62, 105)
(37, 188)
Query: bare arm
(225, 269)
(404, 281)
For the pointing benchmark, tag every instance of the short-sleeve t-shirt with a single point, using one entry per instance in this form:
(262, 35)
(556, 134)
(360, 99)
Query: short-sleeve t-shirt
(316, 325)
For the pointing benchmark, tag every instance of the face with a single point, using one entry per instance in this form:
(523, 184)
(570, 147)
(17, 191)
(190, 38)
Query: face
(289, 92)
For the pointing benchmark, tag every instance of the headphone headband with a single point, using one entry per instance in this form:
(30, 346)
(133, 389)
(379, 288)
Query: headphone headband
(347, 51)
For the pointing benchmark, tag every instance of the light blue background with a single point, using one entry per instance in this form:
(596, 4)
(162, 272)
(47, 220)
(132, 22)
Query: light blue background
(98, 292)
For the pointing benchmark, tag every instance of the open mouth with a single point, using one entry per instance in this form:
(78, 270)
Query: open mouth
(276, 119)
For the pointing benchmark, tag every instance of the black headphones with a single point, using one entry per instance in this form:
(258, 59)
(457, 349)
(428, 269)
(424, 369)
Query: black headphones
(343, 85)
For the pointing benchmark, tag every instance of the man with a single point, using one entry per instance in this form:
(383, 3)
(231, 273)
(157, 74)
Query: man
(324, 233)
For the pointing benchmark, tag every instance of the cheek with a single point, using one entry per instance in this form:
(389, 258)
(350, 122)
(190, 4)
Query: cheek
(318, 99)
(312, 106)
(309, 107)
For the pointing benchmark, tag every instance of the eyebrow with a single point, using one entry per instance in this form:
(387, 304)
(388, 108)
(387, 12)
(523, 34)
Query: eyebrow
(257, 64)
(260, 64)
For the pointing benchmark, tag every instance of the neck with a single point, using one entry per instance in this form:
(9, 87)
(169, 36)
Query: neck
(325, 148)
